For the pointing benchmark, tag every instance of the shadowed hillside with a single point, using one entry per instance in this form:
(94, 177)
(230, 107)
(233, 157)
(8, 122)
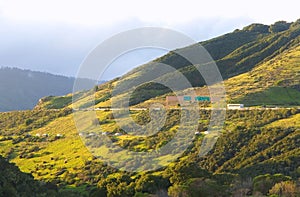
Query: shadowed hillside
(13, 182)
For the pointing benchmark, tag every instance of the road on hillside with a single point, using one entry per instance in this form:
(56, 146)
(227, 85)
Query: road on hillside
(201, 108)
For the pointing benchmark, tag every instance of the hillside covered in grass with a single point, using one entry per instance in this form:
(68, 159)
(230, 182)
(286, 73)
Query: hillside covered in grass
(257, 152)
(255, 62)
(254, 143)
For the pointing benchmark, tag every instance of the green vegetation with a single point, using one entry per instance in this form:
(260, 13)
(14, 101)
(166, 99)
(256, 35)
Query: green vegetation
(24, 121)
(255, 61)
(55, 102)
(257, 153)
(15, 183)
(273, 82)
(274, 96)
(257, 143)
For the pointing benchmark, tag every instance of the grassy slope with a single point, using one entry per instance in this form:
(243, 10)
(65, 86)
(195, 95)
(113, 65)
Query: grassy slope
(271, 78)
(271, 144)
(284, 123)
(251, 62)
(234, 59)
(269, 83)
(275, 77)
(68, 151)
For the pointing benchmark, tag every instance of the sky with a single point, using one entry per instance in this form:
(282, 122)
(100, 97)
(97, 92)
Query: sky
(56, 35)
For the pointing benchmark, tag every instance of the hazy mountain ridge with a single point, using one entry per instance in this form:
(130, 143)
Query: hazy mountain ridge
(22, 89)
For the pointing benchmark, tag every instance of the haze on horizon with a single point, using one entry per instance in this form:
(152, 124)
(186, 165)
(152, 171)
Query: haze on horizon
(55, 36)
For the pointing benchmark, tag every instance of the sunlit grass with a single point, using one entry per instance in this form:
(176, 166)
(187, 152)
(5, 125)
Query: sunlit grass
(293, 121)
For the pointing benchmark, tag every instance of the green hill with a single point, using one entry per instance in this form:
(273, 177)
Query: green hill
(257, 153)
(273, 82)
(253, 143)
(235, 53)
(240, 57)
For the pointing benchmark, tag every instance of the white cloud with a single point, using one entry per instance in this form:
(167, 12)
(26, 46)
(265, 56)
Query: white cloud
(166, 12)
(56, 35)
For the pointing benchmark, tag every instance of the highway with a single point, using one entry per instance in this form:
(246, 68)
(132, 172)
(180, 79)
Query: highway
(200, 108)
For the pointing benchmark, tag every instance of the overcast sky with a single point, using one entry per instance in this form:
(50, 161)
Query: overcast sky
(56, 35)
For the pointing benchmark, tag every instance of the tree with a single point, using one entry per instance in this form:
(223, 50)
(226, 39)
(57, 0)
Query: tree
(178, 191)
(28, 121)
(263, 183)
(285, 188)
(151, 183)
(279, 26)
(198, 187)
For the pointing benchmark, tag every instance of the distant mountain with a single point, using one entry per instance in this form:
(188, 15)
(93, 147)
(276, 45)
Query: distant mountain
(22, 89)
